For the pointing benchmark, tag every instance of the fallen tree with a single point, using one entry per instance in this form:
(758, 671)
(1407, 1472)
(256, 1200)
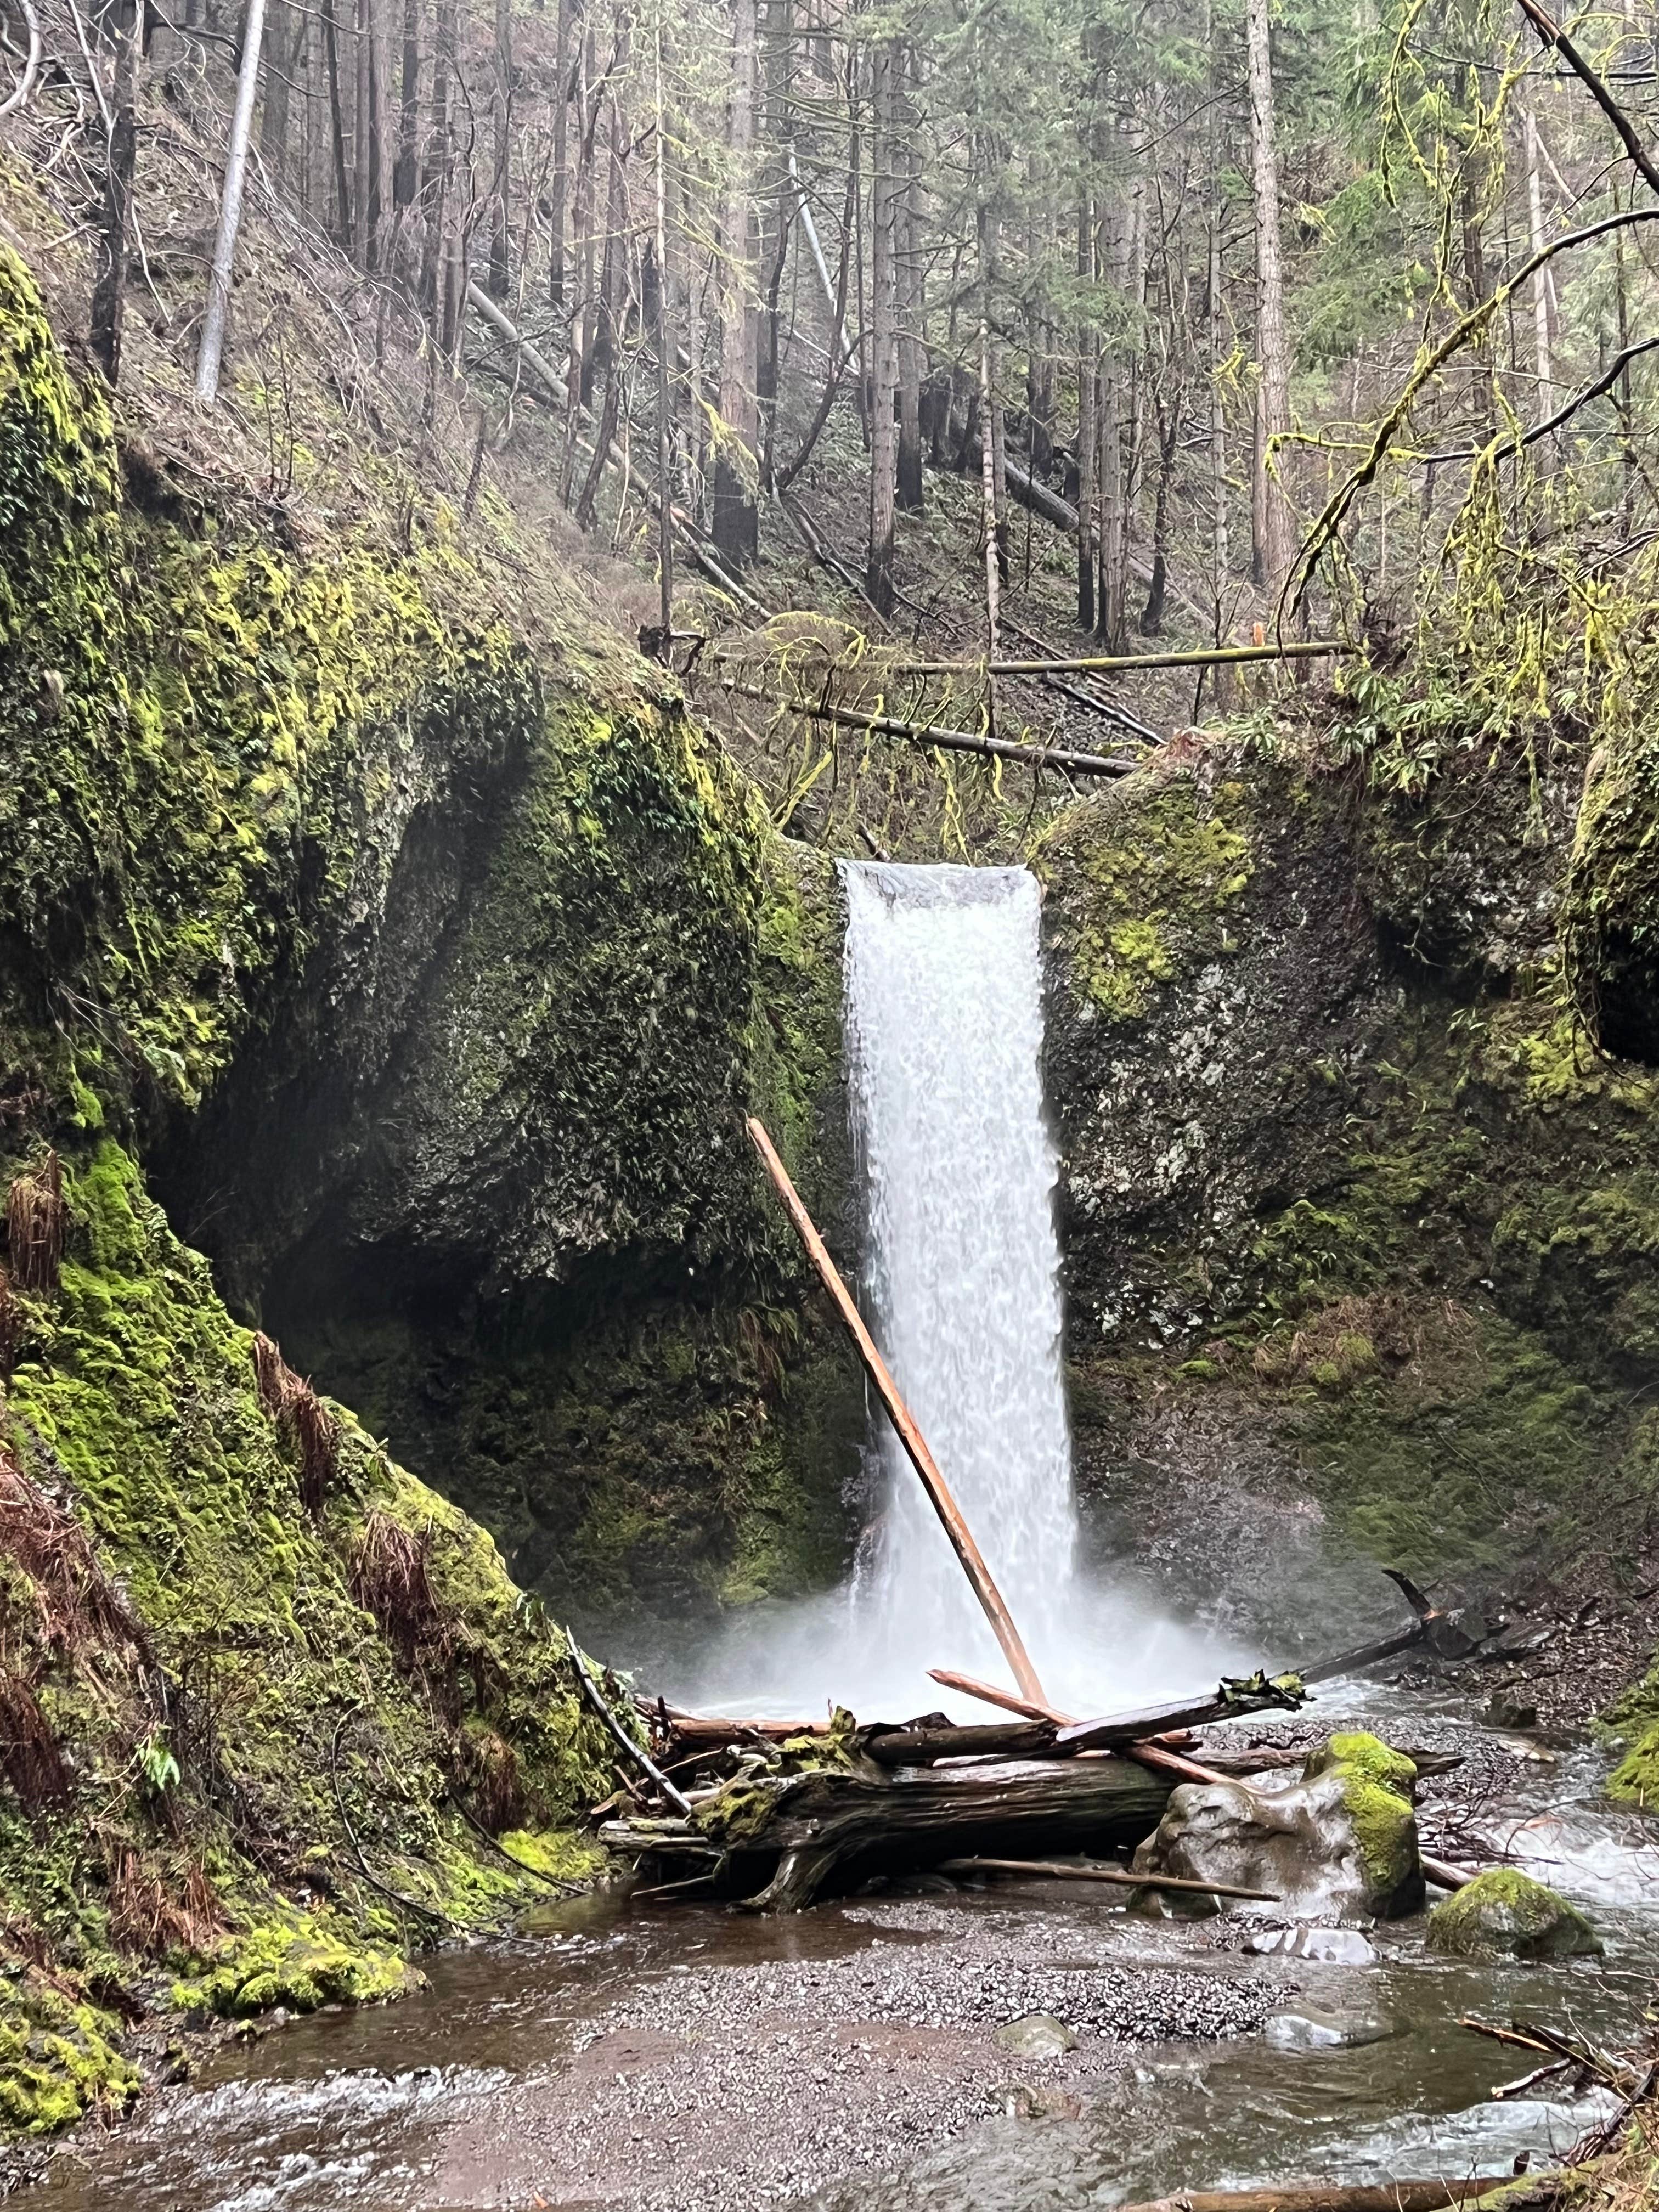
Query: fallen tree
(779, 1841)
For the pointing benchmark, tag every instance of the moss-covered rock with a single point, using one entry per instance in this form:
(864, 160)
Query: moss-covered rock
(1377, 1783)
(294, 1960)
(60, 2058)
(1505, 1913)
(1359, 1224)
(1633, 1724)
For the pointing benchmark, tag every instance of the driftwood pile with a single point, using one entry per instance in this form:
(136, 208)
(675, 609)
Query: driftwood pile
(777, 1813)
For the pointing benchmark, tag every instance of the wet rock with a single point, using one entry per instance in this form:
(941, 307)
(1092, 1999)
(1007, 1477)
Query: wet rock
(1504, 1712)
(1039, 2035)
(1308, 2028)
(1506, 1913)
(1344, 1946)
(1340, 1840)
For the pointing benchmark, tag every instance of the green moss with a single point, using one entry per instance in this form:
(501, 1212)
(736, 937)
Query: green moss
(133, 1395)
(560, 1853)
(1633, 1722)
(1148, 881)
(194, 729)
(297, 1961)
(1505, 1912)
(60, 2058)
(1377, 1791)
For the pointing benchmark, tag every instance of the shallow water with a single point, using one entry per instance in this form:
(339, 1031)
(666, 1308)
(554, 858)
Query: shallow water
(448, 2099)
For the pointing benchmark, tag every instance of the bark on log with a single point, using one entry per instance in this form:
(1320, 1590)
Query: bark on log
(846, 1824)
(920, 1747)
(1118, 1728)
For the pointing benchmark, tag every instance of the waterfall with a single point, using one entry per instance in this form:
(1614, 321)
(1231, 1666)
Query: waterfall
(944, 1002)
(961, 1287)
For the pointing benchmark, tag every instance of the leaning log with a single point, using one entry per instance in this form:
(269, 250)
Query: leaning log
(786, 1838)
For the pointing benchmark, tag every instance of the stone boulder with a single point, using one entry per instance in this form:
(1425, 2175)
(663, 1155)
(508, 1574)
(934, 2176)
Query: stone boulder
(1505, 1913)
(1338, 1841)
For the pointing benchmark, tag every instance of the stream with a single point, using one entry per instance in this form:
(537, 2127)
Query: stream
(626, 2055)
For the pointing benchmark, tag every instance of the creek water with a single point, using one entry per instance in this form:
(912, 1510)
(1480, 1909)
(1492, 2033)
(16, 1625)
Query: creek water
(473, 2093)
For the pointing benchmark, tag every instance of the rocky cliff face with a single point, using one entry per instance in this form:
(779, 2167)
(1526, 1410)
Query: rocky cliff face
(1358, 1218)
(423, 959)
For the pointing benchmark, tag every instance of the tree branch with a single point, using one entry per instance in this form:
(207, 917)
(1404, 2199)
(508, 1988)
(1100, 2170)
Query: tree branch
(1552, 35)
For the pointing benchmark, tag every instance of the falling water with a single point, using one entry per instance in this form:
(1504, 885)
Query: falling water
(962, 1274)
(960, 1286)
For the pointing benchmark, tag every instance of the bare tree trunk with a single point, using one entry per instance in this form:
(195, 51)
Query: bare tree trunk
(282, 42)
(912, 339)
(1541, 295)
(1088, 405)
(663, 338)
(211, 351)
(407, 173)
(1218, 334)
(1275, 539)
(737, 517)
(987, 485)
(778, 206)
(502, 116)
(109, 289)
(336, 125)
(561, 153)
(363, 141)
(885, 190)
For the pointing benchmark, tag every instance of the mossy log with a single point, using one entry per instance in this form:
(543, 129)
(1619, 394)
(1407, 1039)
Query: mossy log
(787, 1839)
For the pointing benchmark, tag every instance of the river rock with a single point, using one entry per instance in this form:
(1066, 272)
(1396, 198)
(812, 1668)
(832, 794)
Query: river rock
(1039, 2035)
(1339, 1841)
(1307, 2027)
(1506, 1913)
(1342, 1946)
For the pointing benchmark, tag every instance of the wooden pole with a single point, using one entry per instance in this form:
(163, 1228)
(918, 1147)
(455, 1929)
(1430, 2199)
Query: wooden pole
(950, 1513)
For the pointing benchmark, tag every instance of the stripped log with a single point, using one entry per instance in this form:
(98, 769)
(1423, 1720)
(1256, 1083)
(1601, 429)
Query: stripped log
(1119, 1877)
(1338, 2196)
(916, 1446)
(786, 1837)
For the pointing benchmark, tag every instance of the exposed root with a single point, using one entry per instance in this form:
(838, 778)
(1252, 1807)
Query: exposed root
(30, 1756)
(80, 1608)
(151, 1916)
(36, 1222)
(389, 1579)
(271, 1375)
(305, 1423)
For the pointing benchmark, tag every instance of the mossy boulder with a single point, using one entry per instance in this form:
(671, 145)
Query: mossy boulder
(1339, 1841)
(1377, 1783)
(1505, 1913)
